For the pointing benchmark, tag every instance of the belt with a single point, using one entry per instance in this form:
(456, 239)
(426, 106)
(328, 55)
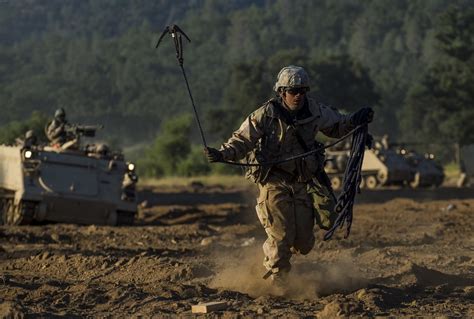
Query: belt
(283, 175)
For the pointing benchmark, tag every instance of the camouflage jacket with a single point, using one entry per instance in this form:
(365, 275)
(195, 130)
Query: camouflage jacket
(266, 136)
(56, 132)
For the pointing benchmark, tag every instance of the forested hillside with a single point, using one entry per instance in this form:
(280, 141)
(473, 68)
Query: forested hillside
(97, 58)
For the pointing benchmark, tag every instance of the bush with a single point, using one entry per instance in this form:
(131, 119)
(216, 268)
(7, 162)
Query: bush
(17, 129)
(195, 164)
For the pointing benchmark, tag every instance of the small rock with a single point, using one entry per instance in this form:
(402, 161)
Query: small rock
(260, 311)
(469, 292)
(131, 261)
(248, 242)
(450, 207)
(10, 310)
(143, 254)
(189, 293)
(361, 293)
(119, 262)
(45, 255)
(206, 241)
(145, 204)
(104, 266)
(174, 241)
(332, 310)
(92, 228)
(55, 237)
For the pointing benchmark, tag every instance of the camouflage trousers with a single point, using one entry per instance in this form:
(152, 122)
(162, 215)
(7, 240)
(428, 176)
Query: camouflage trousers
(287, 212)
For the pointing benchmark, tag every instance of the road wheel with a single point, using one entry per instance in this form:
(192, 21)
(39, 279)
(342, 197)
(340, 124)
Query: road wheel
(415, 183)
(21, 214)
(336, 183)
(370, 182)
(10, 213)
(3, 214)
(125, 218)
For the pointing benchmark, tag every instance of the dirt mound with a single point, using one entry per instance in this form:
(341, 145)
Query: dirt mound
(404, 258)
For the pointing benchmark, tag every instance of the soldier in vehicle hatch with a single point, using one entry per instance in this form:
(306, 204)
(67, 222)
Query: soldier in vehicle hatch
(56, 130)
(291, 194)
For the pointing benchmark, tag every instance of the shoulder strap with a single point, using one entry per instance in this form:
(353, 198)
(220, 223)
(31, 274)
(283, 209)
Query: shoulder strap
(290, 122)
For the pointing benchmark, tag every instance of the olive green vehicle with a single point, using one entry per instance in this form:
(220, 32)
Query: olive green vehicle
(426, 172)
(466, 177)
(88, 185)
(381, 167)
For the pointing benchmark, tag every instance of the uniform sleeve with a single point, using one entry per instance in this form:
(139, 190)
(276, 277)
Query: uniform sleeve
(55, 130)
(333, 123)
(245, 138)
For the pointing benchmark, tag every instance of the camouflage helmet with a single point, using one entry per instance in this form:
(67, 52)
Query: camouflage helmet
(60, 113)
(292, 76)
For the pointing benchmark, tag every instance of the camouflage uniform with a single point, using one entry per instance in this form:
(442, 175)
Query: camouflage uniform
(284, 206)
(56, 129)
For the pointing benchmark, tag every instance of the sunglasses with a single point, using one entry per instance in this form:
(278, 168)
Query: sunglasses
(295, 91)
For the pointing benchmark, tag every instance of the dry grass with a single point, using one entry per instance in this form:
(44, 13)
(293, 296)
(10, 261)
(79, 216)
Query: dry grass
(224, 180)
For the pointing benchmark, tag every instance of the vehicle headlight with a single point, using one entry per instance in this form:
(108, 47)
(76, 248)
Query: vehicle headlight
(432, 156)
(131, 167)
(28, 154)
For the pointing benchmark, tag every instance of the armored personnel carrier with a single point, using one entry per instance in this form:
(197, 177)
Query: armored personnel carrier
(380, 167)
(467, 166)
(426, 172)
(83, 185)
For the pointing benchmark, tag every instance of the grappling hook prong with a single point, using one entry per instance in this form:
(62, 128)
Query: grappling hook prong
(173, 30)
(166, 30)
(176, 33)
(176, 29)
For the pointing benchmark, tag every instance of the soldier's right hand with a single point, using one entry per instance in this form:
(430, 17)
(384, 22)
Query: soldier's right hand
(213, 155)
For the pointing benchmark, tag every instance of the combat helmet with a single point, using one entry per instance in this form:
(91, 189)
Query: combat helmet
(292, 76)
(60, 114)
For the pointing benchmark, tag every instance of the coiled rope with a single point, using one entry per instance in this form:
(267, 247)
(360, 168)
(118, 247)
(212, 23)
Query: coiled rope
(351, 183)
(292, 158)
(352, 174)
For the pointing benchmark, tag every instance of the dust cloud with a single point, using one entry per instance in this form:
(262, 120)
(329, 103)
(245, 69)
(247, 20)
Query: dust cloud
(242, 270)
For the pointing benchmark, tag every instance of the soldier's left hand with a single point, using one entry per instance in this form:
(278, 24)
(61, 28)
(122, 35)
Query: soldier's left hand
(213, 155)
(363, 116)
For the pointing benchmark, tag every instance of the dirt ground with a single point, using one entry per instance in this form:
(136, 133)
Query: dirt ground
(407, 256)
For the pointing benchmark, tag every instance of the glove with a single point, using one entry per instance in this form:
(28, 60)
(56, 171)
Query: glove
(369, 142)
(363, 116)
(213, 155)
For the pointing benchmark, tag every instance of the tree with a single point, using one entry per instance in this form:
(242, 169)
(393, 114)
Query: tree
(17, 129)
(440, 107)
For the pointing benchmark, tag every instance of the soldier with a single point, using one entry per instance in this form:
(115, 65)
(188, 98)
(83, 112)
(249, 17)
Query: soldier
(30, 139)
(286, 126)
(56, 130)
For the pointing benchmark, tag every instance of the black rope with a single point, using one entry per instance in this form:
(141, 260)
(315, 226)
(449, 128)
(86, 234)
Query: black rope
(351, 183)
(176, 33)
(291, 158)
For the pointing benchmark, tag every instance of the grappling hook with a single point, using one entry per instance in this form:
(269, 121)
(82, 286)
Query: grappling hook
(177, 35)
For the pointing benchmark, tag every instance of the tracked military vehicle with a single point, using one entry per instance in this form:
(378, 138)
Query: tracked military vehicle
(426, 172)
(83, 185)
(381, 167)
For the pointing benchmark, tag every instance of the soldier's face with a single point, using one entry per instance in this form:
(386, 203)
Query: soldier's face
(294, 98)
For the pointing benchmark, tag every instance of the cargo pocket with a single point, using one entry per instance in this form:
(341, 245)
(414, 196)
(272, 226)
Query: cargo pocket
(261, 208)
(323, 205)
